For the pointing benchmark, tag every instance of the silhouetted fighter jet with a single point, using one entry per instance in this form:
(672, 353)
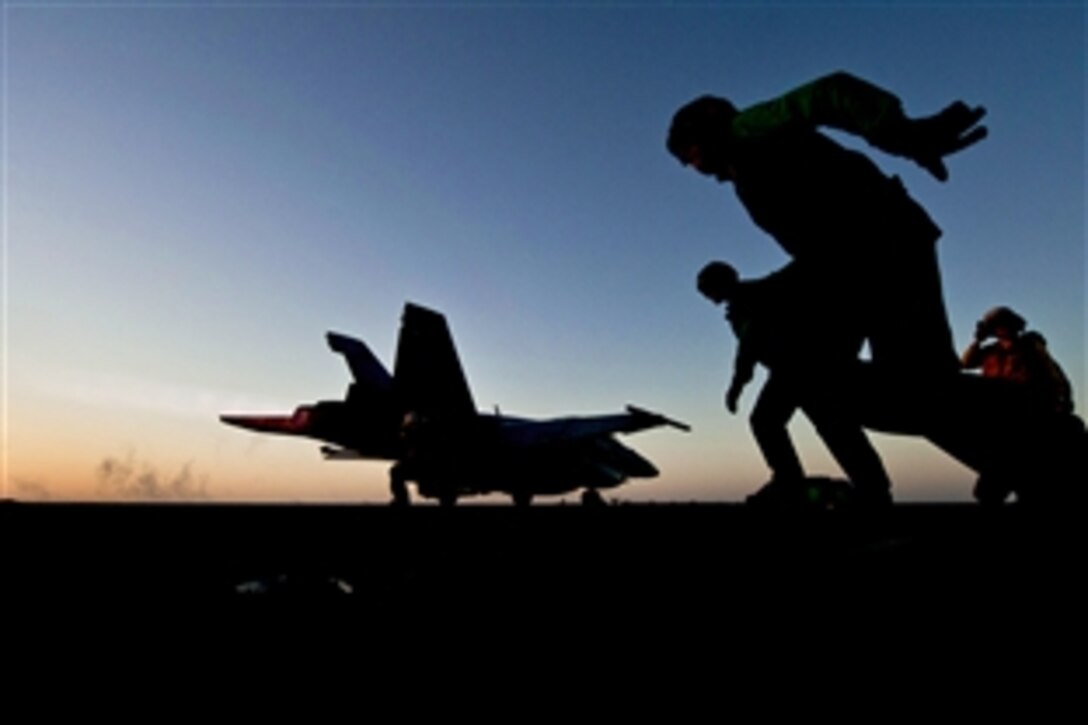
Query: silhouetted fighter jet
(424, 420)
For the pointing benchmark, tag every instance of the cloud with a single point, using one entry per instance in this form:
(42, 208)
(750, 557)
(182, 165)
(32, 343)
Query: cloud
(128, 479)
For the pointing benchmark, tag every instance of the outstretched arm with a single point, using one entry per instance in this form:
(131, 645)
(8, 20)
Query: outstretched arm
(743, 368)
(850, 104)
(838, 100)
(972, 355)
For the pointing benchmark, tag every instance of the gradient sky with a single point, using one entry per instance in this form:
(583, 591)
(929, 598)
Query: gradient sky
(193, 193)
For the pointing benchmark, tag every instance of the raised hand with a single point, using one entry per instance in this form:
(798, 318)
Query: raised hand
(932, 138)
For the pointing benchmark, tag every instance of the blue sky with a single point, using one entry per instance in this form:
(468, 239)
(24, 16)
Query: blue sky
(195, 192)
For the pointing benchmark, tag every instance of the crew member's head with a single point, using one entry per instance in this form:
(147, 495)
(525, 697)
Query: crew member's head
(718, 282)
(699, 136)
(1001, 322)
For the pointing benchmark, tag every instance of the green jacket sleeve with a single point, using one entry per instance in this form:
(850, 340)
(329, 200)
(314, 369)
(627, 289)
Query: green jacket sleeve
(838, 100)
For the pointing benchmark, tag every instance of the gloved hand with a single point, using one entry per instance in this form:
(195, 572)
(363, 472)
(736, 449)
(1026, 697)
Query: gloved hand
(731, 397)
(947, 132)
(928, 140)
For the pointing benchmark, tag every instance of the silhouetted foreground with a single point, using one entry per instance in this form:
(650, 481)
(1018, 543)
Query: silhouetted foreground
(547, 561)
(864, 267)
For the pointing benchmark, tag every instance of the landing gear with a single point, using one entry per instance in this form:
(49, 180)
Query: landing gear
(447, 499)
(592, 497)
(399, 488)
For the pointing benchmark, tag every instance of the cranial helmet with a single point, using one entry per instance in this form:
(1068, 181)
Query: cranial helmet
(1003, 317)
(717, 279)
(700, 122)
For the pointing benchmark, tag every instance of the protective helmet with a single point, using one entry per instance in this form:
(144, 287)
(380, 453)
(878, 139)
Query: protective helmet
(1003, 317)
(717, 280)
(700, 122)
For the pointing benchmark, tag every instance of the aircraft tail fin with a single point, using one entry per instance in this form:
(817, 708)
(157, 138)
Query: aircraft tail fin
(427, 375)
(373, 386)
(364, 366)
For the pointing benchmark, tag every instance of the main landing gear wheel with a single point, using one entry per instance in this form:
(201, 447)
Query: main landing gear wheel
(592, 497)
(399, 488)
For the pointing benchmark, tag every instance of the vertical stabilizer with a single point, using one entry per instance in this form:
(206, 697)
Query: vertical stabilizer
(427, 376)
(365, 367)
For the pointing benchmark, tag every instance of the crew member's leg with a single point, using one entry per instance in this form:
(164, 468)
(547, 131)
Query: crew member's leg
(907, 322)
(853, 451)
(771, 414)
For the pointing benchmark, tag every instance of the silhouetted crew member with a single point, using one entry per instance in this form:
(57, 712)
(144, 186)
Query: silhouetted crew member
(1018, 356)
(841, 219)
(782, 327)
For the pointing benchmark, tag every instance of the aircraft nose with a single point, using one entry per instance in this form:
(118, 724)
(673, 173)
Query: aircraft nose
(644, 469)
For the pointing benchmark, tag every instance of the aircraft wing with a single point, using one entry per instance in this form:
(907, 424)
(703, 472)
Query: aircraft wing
(566, 430)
